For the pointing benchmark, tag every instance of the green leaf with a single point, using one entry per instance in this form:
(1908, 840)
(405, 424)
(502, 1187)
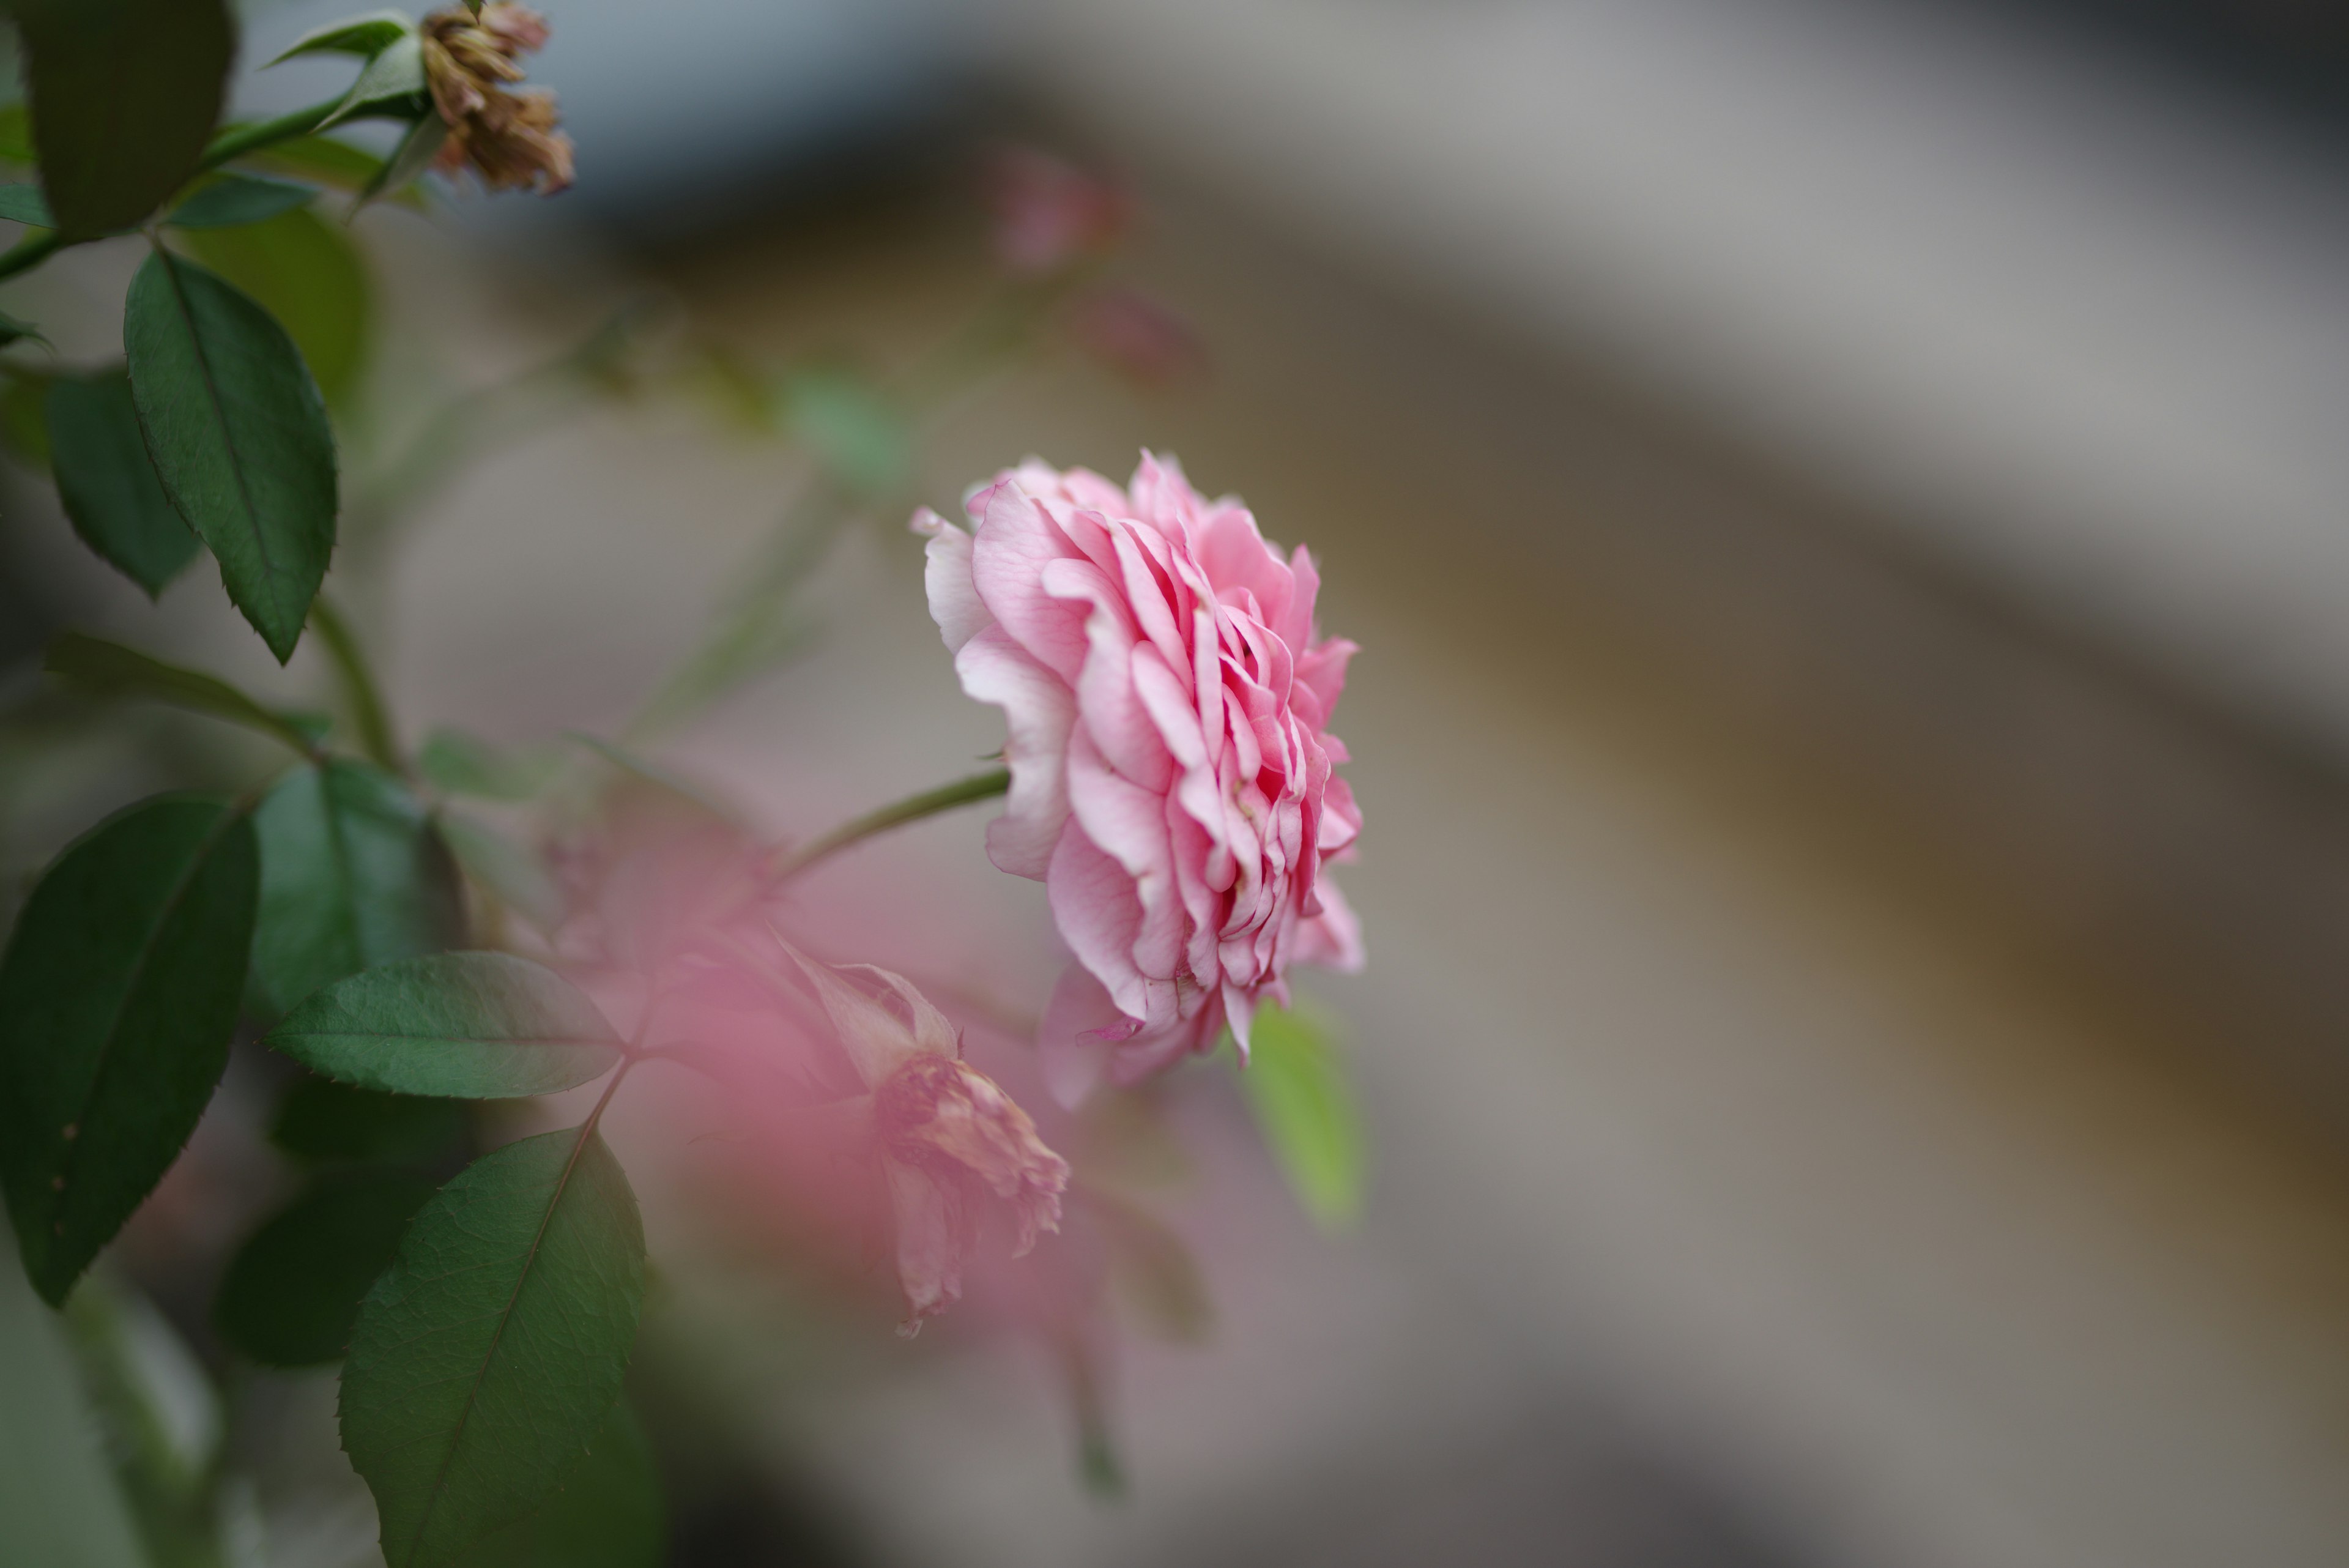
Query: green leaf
(416, 149)
(353, 874)
(124, 96)
(852, 427)
(1296, 1086)
(23, 417)
(109, 486)
(239, 437)
(480, 1026)
(305, 272)
(392, 84)
(331, 162)
(607, 1513)
(366, 36)
(460, 763)
(518, 877)
(491, 1354)
(229, 200)
(323, 1120)
(26, 204)
(111, 670)
(118, 998)
(293, 1290)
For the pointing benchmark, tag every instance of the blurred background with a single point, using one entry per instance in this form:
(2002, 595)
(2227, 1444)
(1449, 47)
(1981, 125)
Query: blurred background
(1841, 505)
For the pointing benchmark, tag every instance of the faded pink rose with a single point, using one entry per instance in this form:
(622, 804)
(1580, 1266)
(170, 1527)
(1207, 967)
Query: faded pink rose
(1050, 214)
(1170, 766)
(946, 1133)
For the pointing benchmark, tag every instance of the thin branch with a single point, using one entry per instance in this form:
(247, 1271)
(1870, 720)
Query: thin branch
(369, 714)
(788, 864)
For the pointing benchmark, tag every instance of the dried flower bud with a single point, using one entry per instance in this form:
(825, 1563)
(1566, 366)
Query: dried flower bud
(508, 139)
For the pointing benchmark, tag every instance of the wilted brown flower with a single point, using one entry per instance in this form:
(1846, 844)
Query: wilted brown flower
(508, 139)
(941, 1115)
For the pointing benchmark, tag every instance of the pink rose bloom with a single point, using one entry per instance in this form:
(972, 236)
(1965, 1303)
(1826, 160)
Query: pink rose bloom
(1171, 765)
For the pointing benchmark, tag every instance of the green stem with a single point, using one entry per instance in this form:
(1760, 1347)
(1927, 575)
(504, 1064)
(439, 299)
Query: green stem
(369, 714)
(40, 244)
(790, 863)
(239, 139)
(745, 640)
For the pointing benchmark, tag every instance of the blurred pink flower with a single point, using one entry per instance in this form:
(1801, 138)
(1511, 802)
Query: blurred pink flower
(1172, 777)
(1136, 335)
(948, 1132)
(1050, 214)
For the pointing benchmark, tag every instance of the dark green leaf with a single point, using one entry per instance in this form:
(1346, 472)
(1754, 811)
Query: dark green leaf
(293, 1290)
(124, 96)
(1296, 1086)
(480, 1026)
(13, 329)
(109, 486)
(518, 877)
(24, 418)
(323, 1120)
(491, 1354)
(239, 437)
(305, 272)
(466, 765)
(607, 1512)
(353, 874)
(114, 670)
(117, 998)
(392, 84)
(26, 204)
(231, 200)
